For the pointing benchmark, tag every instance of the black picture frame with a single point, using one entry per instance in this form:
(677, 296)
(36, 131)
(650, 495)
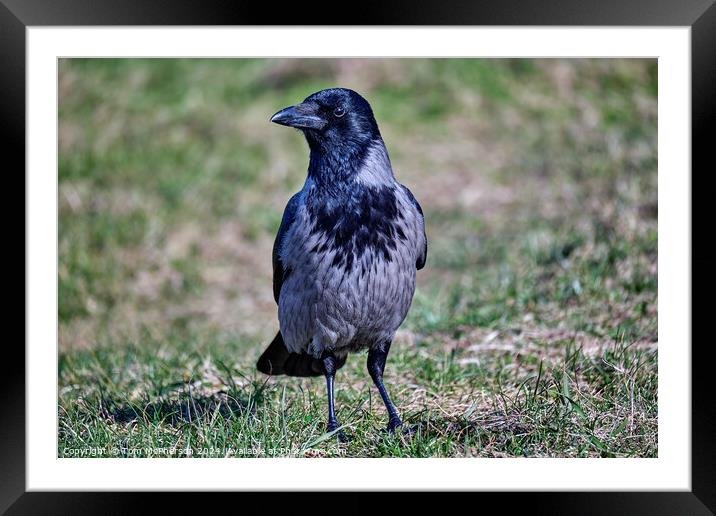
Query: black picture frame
(700, 15)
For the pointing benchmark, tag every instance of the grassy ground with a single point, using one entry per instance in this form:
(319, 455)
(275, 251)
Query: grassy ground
(534, 327)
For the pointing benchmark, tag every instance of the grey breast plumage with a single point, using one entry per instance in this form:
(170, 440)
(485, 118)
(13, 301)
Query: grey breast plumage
(347, 256)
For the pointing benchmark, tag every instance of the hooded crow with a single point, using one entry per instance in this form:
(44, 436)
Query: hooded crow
(347, 250)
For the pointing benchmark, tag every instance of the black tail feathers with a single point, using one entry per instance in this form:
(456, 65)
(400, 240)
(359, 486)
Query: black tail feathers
(277, 360)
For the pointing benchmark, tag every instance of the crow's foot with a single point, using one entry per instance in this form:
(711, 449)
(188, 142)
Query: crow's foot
(396, 424)
(410, 430)
(340, 435)
(393, 424)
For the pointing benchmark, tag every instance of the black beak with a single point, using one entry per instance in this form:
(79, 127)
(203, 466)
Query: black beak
(302, 116)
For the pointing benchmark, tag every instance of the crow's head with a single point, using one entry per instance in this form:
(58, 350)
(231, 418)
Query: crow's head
(332, 119)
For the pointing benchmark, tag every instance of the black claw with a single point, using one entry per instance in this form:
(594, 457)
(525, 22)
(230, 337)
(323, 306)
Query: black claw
(340, 435)
(410, 430)
(393, 424)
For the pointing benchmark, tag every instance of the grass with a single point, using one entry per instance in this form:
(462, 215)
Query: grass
(533, 331)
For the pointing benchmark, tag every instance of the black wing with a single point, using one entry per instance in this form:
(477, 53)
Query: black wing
(420, 262)
(280, 273)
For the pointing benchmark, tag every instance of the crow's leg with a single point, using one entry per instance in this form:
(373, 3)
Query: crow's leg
(329, 369)
(376, 365)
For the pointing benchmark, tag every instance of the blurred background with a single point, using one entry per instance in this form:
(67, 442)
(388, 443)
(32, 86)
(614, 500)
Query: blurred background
(538, 179)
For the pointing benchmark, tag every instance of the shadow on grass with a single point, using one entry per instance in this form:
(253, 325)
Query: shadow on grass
(184, 409)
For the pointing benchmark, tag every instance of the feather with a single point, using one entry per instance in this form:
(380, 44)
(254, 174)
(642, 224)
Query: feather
(280, 273)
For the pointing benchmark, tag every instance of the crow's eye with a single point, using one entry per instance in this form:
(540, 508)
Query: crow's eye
(339, 112)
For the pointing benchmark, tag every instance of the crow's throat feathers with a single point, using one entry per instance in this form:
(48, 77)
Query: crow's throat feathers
(365, 162)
